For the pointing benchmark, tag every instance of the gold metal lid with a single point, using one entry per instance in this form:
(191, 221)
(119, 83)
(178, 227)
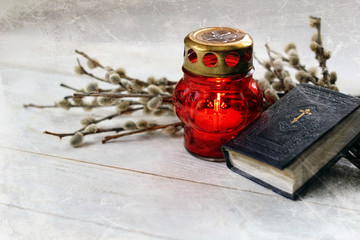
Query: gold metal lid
(218, 52)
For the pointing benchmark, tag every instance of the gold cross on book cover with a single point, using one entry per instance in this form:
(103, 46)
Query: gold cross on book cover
(303, 112)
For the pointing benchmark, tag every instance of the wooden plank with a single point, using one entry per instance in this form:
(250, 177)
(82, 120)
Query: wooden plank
(48, 189)
(148, 187)
(21, 223)
(151, 154)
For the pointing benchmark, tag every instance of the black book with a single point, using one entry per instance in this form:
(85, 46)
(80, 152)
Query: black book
(289, 145)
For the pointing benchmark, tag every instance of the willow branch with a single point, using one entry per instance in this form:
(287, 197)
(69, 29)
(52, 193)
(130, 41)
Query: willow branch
(299, 66)
(142, 83)
(165, 98)
(99, 130)
(277, 71)
(118, 114)
(113, 95)
(320, 54)
(285, 59)
(71, 106)
(122, 75)
(39, 106)
(71, 88)
(89, 58)
(108, 138)
(90, 74)
(260, 62)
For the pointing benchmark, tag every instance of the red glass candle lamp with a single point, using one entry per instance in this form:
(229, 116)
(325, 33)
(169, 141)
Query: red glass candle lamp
(217, 97)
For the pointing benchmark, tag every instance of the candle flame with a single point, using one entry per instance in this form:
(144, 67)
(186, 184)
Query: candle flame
(217, 102)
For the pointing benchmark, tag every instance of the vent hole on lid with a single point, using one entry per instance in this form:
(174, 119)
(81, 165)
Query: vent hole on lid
(248, 54)
(232, 59)
(210, 60)
(192, 56)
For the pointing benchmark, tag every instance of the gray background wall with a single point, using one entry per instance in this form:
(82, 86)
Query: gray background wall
(33, 31)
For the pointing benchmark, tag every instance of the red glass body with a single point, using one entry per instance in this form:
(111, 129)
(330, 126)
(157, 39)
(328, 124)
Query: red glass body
(215, 109)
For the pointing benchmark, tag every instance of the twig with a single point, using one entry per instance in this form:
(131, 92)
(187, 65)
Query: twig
(277, 71)
(113, 95)
(99, 130)
(299, 66)
(39, 106)
(285, 59)
(71, 106)
(71, 88)
(109, 117)
(320, 53)
(120, 89)
(258, 60)
(165, 98)
(108, 138)
(90, 74)
(168, 82)
(108, 68)
(118, 114)
(122, 75)
(91, 59)
(82, 69)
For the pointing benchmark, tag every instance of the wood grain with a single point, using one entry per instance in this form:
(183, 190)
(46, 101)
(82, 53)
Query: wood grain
(148, 186)
(49, 187)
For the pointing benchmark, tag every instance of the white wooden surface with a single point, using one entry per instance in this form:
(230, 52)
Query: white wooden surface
(148, 186)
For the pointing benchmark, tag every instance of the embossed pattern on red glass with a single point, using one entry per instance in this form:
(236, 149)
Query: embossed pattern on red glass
(215, 109)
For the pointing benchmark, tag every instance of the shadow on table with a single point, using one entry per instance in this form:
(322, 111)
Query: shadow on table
(341, 183)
